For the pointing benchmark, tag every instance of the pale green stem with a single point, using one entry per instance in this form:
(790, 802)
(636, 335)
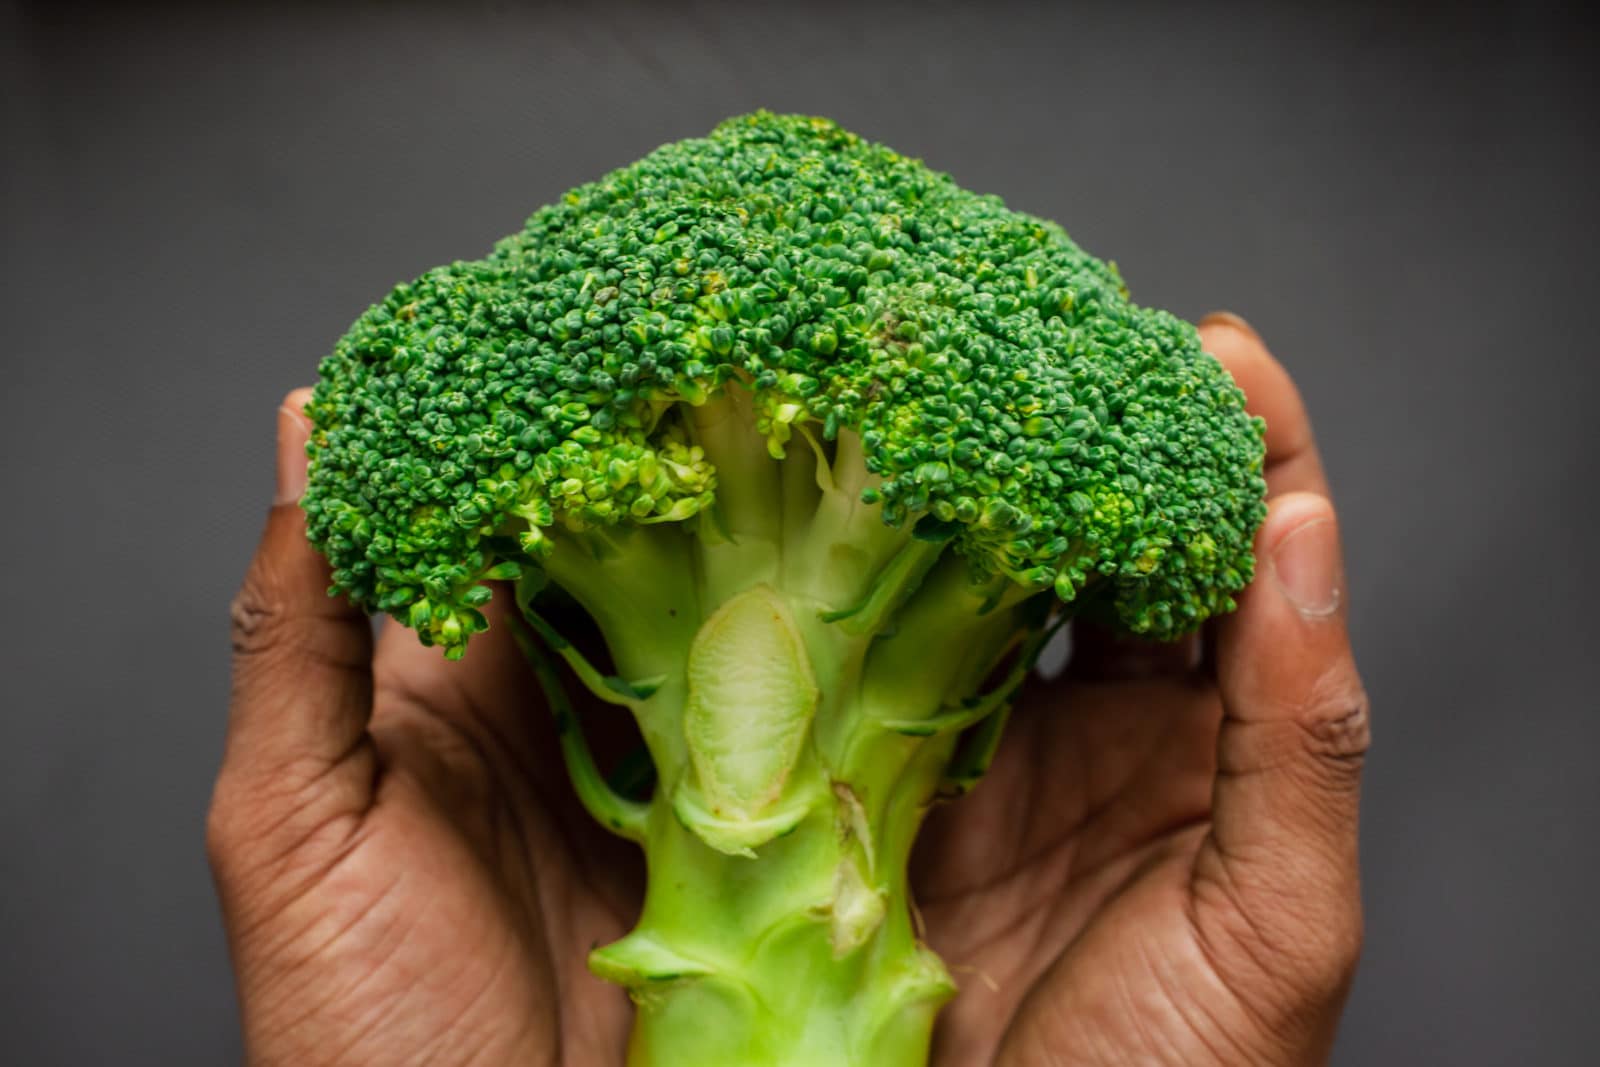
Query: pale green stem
(624, 817)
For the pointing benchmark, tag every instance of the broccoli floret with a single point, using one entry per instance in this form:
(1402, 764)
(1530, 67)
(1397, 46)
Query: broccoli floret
(821, 442)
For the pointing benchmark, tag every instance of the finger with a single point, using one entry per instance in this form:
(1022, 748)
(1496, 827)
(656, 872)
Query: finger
(302, 659)
(1294, 732)
(1293, 464)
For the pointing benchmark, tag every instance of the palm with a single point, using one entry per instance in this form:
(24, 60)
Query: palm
(433, 894)
(510, 882)
(1067, 870)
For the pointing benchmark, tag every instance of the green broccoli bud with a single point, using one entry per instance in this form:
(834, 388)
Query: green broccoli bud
(819, 440)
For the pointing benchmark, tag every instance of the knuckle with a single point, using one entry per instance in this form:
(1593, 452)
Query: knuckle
(1337, 725)
(1226, 335)
(1343, 736)
(254, 615)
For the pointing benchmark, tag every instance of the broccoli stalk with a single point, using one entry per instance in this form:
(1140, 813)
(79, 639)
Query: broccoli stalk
(800, 733)
(824, 446)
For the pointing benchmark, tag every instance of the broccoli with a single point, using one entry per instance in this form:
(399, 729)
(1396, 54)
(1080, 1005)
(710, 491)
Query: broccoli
(824, 446)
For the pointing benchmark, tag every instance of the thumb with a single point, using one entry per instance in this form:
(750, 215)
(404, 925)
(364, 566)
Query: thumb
(1294, 733)
(302, 660)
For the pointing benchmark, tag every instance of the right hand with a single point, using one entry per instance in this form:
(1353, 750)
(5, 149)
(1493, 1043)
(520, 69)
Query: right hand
(1160, 867)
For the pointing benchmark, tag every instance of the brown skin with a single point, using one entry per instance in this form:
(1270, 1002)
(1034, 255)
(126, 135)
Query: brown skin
(1160, 867)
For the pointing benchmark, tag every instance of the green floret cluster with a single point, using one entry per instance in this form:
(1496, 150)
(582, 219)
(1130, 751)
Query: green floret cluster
(1000, 379)
(822, 445)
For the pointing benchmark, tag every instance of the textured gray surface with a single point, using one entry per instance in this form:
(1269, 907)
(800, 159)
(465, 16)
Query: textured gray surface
(195, 205)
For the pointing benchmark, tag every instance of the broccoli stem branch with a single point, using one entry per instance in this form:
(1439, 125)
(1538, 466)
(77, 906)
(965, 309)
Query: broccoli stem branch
(623, 817)
(610, 689)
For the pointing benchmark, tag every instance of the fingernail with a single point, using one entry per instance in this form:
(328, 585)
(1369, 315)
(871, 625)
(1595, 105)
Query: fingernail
(291, 456)
(1228, 318)
(1306, 565)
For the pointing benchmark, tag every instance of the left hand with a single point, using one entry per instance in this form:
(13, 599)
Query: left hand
(404, 872)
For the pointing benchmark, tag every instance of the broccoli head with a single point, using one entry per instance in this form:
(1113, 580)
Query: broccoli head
(822, 443)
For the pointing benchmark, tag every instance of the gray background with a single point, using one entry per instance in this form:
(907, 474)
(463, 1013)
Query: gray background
(197, 203)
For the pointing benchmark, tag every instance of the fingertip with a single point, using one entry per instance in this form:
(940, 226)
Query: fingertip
(294, 430)
(1230, 338)
(296, 400)
(1227, 320)
(1269, 392)
(1299, 544)
(1290, 622)
(1290, 512)
(1243, 354)
(1240, 350)
(1299, 579)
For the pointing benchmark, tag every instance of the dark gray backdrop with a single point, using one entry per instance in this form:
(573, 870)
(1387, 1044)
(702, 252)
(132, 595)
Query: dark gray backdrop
(196, 204)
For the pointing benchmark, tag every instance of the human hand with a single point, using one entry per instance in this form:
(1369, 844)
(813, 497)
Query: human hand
(405, 876)
(1175, 841)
